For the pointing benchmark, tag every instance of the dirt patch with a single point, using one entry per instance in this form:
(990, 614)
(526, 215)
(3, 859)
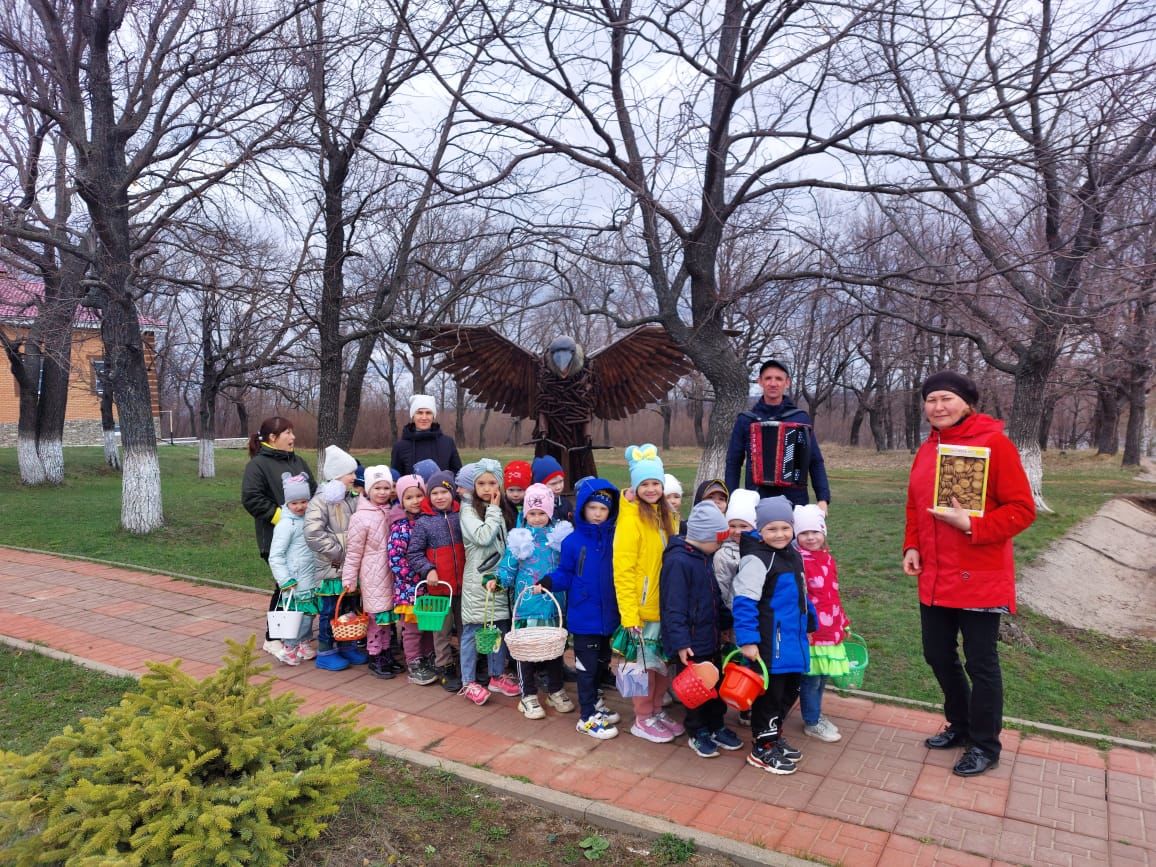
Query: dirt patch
(405, 814)
(1102, 574)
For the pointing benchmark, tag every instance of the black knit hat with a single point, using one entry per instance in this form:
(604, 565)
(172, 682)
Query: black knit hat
(956, 383)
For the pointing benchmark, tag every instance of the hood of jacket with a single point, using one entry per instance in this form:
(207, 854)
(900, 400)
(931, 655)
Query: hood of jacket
(585, 491)
(410, 432)
(428, 509)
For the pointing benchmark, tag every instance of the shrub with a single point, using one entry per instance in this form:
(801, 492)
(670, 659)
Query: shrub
(182, 771)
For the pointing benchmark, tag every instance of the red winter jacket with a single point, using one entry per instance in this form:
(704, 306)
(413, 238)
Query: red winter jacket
(958, 570)
(435, 542)
(823, 590)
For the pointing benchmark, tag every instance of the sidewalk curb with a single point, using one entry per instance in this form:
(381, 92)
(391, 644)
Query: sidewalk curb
(597, 813)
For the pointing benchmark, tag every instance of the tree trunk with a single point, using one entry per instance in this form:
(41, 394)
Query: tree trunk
(1046, 423)
(482, 429)
(242, 417)
(1027, 407)
(108, 428)
(25, 363)
(206, 441)
(1137, 416)
(856, 425)
(459, 413)
(875, 423)
(1107, 419)
(711, 352)
(697, 407)
(667, 414)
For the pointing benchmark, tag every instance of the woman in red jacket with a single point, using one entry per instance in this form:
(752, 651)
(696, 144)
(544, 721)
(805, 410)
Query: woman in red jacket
(966, 568)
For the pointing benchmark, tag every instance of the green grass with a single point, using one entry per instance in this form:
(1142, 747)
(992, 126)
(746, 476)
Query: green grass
(1075, 678)
(42, 695)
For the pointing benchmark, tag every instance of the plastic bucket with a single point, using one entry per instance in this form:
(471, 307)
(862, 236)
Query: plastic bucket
(690, 688)
(431, 610)
(488, 639)
(741, 686)
(858, 658)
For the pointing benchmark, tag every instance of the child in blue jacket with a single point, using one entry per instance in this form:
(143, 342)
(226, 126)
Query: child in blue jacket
(693, 618)
(586, 574)
(772, 618)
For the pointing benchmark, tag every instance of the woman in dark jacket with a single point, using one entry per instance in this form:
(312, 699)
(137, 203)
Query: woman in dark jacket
(965, 566)
(422, 438)
(270, 456)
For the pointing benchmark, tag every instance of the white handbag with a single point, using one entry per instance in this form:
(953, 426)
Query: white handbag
(284, 623)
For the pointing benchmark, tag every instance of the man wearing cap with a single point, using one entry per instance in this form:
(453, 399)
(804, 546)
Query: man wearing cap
(776, 405)
(423, 439)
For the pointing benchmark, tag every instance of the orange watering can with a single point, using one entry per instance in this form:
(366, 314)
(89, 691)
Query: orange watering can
(741, 686)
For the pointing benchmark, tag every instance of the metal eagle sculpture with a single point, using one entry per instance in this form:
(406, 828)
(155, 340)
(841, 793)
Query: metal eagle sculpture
(562, 389)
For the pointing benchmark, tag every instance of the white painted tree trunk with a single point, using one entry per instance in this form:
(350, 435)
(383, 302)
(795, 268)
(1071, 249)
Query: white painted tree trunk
(111, 450)
(31, 468)
(52, 458)
(1033, 461)
(140, 506)
(206, 459)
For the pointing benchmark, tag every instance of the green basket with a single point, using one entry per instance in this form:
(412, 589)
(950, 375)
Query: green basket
(431, 610)
(858, 658)
(489, 637)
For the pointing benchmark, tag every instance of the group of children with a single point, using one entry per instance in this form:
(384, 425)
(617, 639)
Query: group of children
(624, 573)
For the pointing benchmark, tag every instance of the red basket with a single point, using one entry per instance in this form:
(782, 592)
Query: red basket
(352, 629)
(690, 689)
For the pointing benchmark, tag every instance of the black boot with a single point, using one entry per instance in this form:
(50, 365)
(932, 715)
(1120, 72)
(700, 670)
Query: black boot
(379, 668)
(448, 676)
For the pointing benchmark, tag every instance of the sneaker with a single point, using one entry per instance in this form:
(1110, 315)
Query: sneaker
(824, 730)
(703, 745)
(604, 711)
(448, 675)
(789, 751)
(273, 646)
(560, 701)
(530, 708)
(650, 729)
(597, 727)
(420, 674)
(506, 685)
(725, 739)
(476, 693)
(670, 724)
(305, 651)
(770, 758)
(331, 660)
(287, 655)
(745, 718)
(352, 654)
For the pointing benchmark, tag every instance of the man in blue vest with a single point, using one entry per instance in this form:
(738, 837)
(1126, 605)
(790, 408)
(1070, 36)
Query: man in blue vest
(776, 405)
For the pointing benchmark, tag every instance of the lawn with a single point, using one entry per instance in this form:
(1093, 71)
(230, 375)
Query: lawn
(1076, 678)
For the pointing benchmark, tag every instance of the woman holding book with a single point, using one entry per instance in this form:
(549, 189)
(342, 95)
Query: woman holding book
(962, 514)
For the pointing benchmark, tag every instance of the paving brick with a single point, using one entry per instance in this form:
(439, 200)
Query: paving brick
(953, 827)
(683, 766)
(746, 820)
(674, 801)
(1123, 854)
(1028, 843)
(1132, 762)
(1061, 795)
(833, 840)
(852, 802)
(1063, 751)
(983, 794)
(876, 769)
(846, 707)
(470, 747)
(794, 791)
(540, 766)
(887, 741)
(1132, 824)
(1129, 788)
(591, 781)
(416, 732)
(903, 851)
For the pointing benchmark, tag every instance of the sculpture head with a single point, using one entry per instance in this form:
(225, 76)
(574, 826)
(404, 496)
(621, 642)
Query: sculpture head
(564, 357)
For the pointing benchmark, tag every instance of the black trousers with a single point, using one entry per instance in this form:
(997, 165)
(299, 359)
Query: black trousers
(592, 655)
(770, 709)
(975, 708)
(528, 674)
(708, 716)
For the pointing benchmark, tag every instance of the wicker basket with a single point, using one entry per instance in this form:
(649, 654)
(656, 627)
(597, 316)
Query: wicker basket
(353, 629)
(536, 643)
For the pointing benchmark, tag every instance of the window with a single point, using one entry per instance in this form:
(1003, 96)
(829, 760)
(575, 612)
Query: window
(98, 375)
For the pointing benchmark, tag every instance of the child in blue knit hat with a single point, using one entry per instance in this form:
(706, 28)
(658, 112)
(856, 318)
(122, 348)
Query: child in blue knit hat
(547, 471)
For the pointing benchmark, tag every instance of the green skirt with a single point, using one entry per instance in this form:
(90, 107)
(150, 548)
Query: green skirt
(329, 587)
(624, 643)
(305, 603)
(385, 618)
(829, 660)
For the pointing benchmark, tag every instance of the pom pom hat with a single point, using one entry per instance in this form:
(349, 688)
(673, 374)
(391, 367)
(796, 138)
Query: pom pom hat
(373, 475)
(644, 464)
(538, 496)
(338, 463)
(295, 487)
(771, 509)
(810, 517)
(422, 401)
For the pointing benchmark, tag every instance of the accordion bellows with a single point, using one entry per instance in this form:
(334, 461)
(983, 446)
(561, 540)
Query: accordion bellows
(780, 453)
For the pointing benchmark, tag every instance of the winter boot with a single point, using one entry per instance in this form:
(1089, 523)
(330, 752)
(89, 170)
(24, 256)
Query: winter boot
(352, 654)
(378, 667)
(450, 681)
(331, 660)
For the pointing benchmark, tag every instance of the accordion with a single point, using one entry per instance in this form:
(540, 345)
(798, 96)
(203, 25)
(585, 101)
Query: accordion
(779, 453)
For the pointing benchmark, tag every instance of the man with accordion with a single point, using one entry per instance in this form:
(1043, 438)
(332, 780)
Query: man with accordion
(777, 441)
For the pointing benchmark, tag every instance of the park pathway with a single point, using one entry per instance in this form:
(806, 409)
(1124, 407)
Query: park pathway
(877, 797)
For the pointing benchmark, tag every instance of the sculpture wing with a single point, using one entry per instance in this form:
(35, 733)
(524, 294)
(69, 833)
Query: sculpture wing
(498, 372)
(635, 370)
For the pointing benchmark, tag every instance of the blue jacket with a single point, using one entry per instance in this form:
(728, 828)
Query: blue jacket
(586, 570)
(738, 447)
(771, 608)
(692, 610)
(519, 573)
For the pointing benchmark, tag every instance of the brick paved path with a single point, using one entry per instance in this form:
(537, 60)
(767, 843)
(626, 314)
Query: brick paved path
(877, 797)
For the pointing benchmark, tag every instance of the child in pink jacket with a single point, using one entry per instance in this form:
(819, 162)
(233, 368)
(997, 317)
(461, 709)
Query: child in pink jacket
(367, 567)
